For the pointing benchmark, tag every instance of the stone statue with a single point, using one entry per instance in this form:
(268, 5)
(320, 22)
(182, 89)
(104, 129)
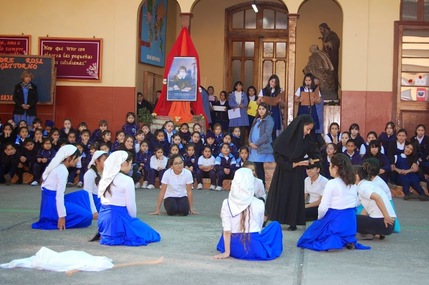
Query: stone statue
(331, 46)
(322, 68)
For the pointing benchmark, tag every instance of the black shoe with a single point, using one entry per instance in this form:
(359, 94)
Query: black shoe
(8, 179)
(292, 228)
(381, 237)
(350, 246)
(264, 224)
(423, 197)
(97, 237)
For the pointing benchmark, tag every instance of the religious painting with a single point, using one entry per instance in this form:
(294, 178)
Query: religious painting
(182, 79)
(153, 20)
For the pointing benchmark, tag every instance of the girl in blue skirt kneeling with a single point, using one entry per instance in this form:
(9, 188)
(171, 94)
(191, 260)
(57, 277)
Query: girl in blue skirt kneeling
(59, 211)
(117, 221)
(242, 218)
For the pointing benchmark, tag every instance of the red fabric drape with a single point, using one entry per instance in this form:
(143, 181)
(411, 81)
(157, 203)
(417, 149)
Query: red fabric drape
(182, 47)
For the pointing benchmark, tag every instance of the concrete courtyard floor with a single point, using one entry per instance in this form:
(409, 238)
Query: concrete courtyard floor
(188, 244)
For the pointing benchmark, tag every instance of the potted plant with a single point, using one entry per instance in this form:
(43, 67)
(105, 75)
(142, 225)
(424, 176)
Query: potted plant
(145, 117)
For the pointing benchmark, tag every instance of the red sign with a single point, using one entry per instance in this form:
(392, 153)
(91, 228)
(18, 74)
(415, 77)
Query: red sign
(75, 59)
(15, 44)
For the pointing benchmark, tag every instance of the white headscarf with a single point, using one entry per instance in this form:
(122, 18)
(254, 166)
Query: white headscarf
(63, 153)
(242, 191)
(112, 166)
(95, 156)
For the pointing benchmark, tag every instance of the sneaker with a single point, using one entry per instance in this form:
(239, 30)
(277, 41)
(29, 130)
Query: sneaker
(137, 185)
(79, 184)
(34, 183)
(8, 179)
(200, 186)
(219, 188)
(150, 186)
(69, 184)
(423, 198)
(144, 185)
(212, 187)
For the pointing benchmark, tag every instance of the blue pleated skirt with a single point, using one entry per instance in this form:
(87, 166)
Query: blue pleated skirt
(117, 227)
(334, 231)
(97, 202)
(266, 245)
(313, 114)
(78, 210)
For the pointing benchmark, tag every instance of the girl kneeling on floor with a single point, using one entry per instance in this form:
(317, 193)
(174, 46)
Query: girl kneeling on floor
(117, 220)
(242, 218)
(59, 211)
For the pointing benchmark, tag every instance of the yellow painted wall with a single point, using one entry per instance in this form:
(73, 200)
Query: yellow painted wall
(108, 19)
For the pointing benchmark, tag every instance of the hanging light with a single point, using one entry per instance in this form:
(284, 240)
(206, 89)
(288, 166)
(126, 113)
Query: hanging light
(255, 8)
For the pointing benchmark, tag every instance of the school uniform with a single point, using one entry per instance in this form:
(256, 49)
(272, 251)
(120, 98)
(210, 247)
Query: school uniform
(95, 136)
(384, 163)
(315, 192)
(364, 149)
(224, 162)
(330, 139)
(214, 148)
(63, 133)
(143, 160)
(9, 165)
(176, 200)
(358, 141)
(222, 116)
(164, 144)
(336, 224)
(355, 158)
(385, 139)
(39, 167)
(236, 99)
(156, 163)
(191, 161)
(306, 107)
(263, 244)
(130, 129)
(200, 174)
(31, 156)
(218, 138)
(373, 223)
(185, 137)
(324, 171)
(117, 221)
(168, 136)
(410, 179)
(75, 206)
(236, 141)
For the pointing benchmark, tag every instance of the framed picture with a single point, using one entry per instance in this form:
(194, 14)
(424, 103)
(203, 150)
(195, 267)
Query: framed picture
(153, 21)
(75, 59)
(182, 79)
(15, 44)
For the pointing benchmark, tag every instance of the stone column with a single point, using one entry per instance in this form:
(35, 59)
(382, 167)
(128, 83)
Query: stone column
(290, 70)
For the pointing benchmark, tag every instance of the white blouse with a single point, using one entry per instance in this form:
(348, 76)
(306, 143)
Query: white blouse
(123, 194)
(57, 181)
(90, 186)
(232, 224)
(337, 195)
(315, 189)
(365, 189)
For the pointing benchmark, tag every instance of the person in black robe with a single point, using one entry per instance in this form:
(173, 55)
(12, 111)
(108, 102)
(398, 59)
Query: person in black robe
(292, 150)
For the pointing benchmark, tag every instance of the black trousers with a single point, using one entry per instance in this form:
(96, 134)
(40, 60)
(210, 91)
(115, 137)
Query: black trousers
(311, 214)
(260, 171)
(177, 206)
(375, 226)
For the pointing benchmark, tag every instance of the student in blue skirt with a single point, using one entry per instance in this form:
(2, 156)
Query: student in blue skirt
(242, 218)
(92, 177)
(336, 224)
(59, 211)
(117, 220)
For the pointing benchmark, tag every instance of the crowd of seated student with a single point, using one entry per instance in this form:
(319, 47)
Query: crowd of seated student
(401, 161)
(30, 149)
